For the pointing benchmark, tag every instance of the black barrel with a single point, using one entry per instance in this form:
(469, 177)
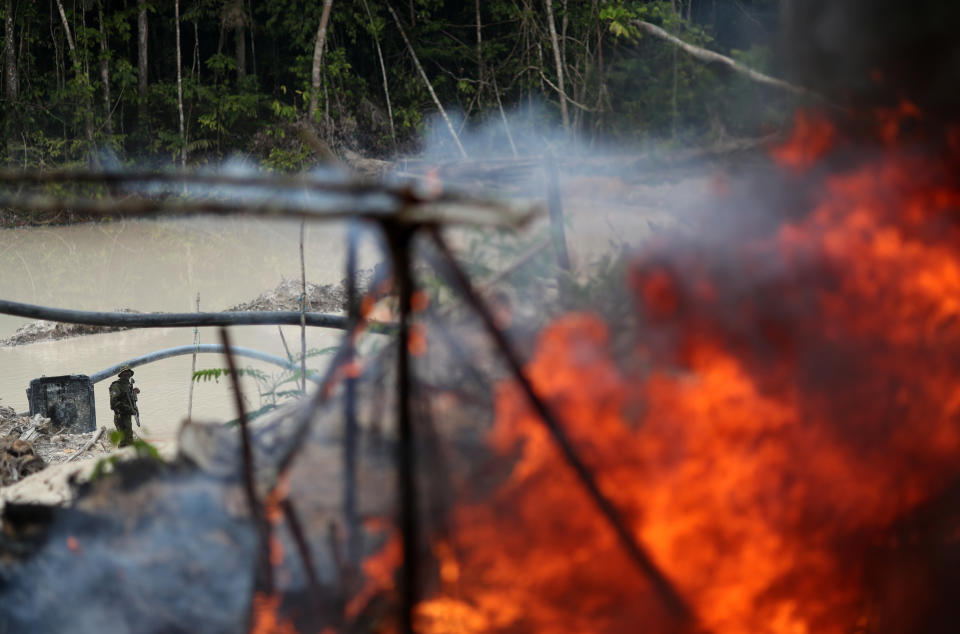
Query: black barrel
(65, 400)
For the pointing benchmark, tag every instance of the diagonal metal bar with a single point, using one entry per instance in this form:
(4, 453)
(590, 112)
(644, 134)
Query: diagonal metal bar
(451, 270)
(264, 570)
(399, 238)
(303, 549)
(350, 409)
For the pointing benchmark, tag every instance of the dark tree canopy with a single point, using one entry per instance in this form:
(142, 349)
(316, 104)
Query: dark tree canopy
(247, 75)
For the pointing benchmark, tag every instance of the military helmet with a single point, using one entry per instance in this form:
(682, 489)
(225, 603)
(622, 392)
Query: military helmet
(124, 369)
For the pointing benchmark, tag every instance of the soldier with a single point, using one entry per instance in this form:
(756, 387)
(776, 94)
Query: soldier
(123, 402)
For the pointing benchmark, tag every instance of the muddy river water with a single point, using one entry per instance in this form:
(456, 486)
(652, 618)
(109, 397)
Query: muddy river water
(158, 266)
(162, 265)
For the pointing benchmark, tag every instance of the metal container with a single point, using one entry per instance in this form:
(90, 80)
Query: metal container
(65, 400)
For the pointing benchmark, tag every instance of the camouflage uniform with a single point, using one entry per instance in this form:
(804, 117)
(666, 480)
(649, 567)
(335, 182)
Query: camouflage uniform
(123, 402)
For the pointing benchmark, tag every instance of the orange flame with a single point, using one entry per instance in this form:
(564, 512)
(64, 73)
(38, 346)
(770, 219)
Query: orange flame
(791, 413)
(813, 137)
(265, 616)
(417, 340)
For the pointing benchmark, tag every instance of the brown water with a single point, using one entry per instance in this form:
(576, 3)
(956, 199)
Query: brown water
(158, 266)
(161, 265)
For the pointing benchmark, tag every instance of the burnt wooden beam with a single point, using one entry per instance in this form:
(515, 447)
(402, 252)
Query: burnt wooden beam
(399, 238)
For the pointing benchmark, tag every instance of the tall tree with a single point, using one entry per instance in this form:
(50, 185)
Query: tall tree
(11, 85)
(183, 140)
(234, 17)
(82, 80)
(480, 73)
(426, 81)
(557, 58)
(142, 61)
(317, 56)
(383, 72)
(105, 72)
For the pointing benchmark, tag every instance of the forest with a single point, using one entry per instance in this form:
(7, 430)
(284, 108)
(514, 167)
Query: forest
(288, 83)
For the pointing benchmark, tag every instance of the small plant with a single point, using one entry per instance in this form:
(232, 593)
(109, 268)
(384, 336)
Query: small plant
(271, 389)
(141, 448)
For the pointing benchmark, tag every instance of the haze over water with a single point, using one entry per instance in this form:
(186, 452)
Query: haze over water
(158, 266)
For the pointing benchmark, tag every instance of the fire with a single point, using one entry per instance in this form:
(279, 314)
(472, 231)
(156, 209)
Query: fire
(265, 616)
(793, 397)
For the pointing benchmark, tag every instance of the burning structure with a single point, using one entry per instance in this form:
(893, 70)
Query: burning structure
(770, 446)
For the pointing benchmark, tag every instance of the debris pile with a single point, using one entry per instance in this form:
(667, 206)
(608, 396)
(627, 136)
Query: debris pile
(18, 459)
(324, 298)
(28, 444)
(43, 330)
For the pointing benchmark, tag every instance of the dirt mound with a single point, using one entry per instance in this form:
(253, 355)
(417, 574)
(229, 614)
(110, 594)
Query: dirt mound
(43, 330)
(324, 298)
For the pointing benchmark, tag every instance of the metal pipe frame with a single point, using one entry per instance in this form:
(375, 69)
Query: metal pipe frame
(400, 212)
(181, 320)
(212, 348)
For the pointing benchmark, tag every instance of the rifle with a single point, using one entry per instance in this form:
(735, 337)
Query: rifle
(133, 401)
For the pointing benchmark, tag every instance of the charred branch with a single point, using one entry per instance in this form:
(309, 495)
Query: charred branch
(264, 569)
(303, 549)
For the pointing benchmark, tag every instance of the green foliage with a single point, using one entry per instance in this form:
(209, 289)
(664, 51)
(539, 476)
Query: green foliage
(284, 160)
(634, 86)
(271, 388)
(216, 373)
(141, 448)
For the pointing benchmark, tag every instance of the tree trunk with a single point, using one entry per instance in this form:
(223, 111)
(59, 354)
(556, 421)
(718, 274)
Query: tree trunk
(673, 97)
(105, 72)
(480, 69)
(195, 66)
(11, 85)
(240, 35)
(317, 56)
(183, 140)
(253, 39)
(426, 80)
(564, 23)
(383, 71)
(81, 78)
(559, 63)
(142, 62)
